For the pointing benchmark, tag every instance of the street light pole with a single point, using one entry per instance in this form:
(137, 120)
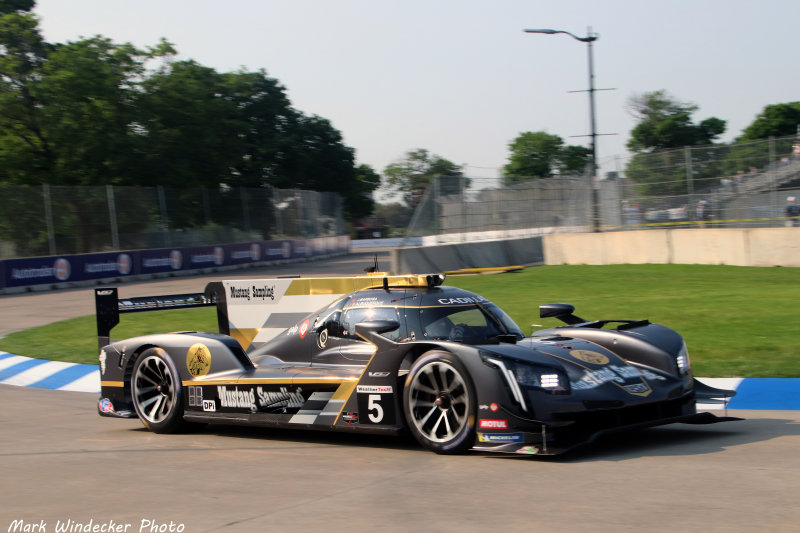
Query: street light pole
(589, 39)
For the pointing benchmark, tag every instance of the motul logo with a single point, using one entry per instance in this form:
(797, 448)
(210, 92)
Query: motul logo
(492, 424)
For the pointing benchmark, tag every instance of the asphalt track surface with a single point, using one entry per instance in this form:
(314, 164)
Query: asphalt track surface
(61, 462)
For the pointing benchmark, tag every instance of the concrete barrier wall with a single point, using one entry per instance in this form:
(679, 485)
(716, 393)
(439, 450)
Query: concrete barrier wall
(468, 255)
(708, 246)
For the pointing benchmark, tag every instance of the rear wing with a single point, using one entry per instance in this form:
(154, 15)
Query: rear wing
(108, 307)
(253, 311)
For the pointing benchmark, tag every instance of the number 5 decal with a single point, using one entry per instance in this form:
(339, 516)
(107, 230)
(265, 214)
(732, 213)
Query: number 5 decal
(376, 404)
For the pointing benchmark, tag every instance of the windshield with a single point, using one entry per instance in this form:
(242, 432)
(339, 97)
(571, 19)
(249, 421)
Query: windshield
(472, 323)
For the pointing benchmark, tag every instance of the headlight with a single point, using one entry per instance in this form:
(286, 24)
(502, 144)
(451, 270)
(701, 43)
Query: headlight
(684, 365)
(519, 374)
(539, 377)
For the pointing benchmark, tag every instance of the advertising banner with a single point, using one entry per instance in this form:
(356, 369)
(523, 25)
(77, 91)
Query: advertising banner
(71, 268)
(53, 270)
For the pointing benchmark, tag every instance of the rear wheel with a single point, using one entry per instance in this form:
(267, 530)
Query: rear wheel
(157, 392)
(439, 403)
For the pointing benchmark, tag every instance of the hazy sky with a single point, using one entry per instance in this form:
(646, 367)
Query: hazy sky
(459, 77)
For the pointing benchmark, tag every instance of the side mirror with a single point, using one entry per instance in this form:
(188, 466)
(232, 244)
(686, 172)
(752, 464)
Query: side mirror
(563, 312)
(555, 310)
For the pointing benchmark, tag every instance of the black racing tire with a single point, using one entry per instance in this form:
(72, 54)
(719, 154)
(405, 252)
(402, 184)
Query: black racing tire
(439, 403)
(157, 392)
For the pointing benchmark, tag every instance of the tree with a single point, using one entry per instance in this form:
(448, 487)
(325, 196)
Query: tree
(751, 149)
(10, 6)
(93, 113)
(664, 126)
(542, 155)
(359, 203)
(22, 52)
(89, 91)
(415, 172)
(265, 122)
(188, 131)
(665, 123)
(777, 120)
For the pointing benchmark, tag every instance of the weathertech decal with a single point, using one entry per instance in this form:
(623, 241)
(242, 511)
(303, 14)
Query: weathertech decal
(374, 389)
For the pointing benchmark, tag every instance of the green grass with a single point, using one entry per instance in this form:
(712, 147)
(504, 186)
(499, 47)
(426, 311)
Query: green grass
(737, 321)
(75, 339)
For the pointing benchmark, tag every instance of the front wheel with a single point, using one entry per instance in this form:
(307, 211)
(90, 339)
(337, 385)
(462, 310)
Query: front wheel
(439, 403)
(157, 392)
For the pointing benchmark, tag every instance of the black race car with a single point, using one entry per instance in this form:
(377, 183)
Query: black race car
(384, 354)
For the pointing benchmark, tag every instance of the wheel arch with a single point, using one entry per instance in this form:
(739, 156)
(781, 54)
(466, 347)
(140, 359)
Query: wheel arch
(128, 369)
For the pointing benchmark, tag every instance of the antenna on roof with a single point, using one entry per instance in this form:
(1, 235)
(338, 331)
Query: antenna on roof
(373, 268)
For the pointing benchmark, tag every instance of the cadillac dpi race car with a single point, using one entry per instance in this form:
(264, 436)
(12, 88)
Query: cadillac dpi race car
(385, 354)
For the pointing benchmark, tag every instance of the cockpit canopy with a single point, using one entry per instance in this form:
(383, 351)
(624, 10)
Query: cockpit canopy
(441, 313)
(468, 322)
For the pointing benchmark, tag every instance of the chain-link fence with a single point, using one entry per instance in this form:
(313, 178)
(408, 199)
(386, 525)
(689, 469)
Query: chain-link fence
(55, 220)
(740, 185)
(451, 207)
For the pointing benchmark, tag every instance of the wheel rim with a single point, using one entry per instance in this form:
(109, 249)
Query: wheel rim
(154, 389)
(438, 402)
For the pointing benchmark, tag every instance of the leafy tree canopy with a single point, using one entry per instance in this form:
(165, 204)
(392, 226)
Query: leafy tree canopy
(777, 120)
(10, 6)
(665, 126)
(542, 155)
(93, 112)
(664, 123)
(412, 175)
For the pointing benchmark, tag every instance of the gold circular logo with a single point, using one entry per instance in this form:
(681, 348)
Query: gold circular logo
(198, 360)
(588, 356)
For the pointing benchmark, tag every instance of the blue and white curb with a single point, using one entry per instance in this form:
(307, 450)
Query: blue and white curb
(777, 394)
(774, 394)
(44, 374)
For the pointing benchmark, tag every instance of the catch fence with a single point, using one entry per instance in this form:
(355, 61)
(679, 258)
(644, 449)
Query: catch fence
(58, 220)
(740, 185)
